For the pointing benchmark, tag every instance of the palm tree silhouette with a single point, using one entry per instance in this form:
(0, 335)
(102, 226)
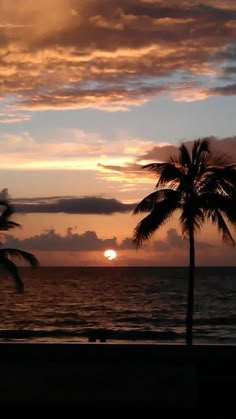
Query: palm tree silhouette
(201, 186)
(6, 254)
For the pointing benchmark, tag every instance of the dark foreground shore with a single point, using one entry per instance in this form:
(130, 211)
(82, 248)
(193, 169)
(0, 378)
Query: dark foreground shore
(95, 375)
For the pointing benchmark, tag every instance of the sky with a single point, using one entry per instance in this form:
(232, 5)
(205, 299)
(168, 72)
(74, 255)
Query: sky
(90, 91)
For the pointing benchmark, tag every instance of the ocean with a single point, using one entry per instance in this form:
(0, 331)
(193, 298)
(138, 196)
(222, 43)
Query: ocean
(113, 304)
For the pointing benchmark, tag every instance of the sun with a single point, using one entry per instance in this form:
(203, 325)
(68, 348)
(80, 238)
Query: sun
(110, 254)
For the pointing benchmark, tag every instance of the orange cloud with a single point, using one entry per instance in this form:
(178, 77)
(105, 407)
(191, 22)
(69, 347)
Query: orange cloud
(113, 55)
(68, 149)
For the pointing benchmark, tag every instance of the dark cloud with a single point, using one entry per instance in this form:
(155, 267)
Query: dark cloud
(89, 241)
(50, 241)
(112, 97)
(161, 153)
(228, 90)
(127, 244)
(175, 241)
(172, 240)
(71, 205)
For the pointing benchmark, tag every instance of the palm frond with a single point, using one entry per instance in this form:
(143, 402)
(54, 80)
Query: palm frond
(218, 201)
(221, 160)
(12, 269)
(184, 156)
(8, 208)
(191, 217)
(5, 223)
(220, 177)
(171, 174)
(150, 201)
(146, 227)
(230, 209)
(200, 152)
(208, 182)
(199, 219)
(6, 254)
(227, 171)
(13, 224)
(154, 167)
(205, 187)
(19, 254)
(147, 203)
(166, 172)
(217, 218)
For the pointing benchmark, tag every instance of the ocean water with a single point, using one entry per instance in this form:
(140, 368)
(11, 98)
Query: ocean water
(117, 305)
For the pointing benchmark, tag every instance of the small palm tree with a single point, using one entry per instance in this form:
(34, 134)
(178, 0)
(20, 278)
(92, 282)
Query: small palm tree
(201, 186)
(6, 254)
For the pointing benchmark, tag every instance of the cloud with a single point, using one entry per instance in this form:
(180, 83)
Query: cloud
(174, 241)
(50, 241)
(89, 241)
(112, 55)
(127, 244)
(228, 90)
(120, 160)
(163, 152)
(68, 149)
(131, 169)
(160, 153)
(13, 117)
(72, 205)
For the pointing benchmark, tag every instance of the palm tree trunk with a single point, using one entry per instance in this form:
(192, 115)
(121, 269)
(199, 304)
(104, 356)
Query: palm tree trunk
(190, 301)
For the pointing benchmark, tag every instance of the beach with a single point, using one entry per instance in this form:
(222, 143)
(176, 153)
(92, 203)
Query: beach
(98, 375)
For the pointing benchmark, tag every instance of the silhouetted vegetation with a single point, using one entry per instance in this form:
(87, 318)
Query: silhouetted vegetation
(7, 254)
(200, 185)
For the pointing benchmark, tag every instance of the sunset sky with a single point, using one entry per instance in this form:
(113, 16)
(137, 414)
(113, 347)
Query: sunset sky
(90, 90)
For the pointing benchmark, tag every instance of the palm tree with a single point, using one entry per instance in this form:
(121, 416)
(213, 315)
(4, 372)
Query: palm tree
(6, 254)
(201, 186)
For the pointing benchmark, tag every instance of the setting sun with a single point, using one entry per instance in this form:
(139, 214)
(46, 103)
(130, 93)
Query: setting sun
(110, 254)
